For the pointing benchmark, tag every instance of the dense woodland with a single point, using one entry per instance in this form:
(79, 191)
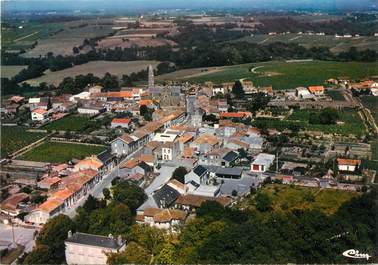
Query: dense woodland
(218, 234)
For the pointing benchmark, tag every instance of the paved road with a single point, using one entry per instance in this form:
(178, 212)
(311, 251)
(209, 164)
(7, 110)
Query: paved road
(23, 236)
(106, 182)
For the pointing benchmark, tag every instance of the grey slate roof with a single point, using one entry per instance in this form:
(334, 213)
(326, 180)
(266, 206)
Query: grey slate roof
(234, 171)
(93, 240)
(106, 156)
(199, 170)
(165, 196)
(230, 156)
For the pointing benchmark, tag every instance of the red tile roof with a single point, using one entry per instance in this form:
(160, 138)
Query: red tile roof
(349, 162)
(126, 121)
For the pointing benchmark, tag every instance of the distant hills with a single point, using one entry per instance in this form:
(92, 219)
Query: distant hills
(134, 5)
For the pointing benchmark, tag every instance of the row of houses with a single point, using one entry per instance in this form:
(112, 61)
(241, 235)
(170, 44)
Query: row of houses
(66, 186)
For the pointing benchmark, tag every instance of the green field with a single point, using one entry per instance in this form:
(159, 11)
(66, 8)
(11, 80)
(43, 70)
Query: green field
(281, 75)
(335, 44)
(69, 123)
(352, 123)
(371, 103)
(14, 138)
(288, 198)
(9, 71)
(23, 35)
(60, 152)
(98, 68)
(335, 95)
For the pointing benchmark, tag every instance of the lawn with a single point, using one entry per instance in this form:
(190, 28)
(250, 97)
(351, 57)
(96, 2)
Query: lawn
(14, 138)
(371, 103)
(69, 123)
(284, 75)
(289, 198)
(98, 68)
(60, 152)
(335, 95)
(352, 123)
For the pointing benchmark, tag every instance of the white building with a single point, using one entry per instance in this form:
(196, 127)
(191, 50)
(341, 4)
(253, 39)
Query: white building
(39, 115)
(303, 93)
(218, 90)
(82, 95)
(164, 137)
(262, 162)
(161, 218)
(348, 164)
(170, 150)
(84, 248)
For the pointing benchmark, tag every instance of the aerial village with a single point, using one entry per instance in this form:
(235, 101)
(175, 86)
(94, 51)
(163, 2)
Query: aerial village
(183, 144)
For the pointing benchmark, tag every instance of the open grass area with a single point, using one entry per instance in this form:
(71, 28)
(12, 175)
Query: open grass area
(9, 71)
(60, 152)
(371, 103)
(335, 95)
(279, 74)
(14, 138)
(288, 198)
(98, 68)
(69, 123)
(308, 41)
(351, 123)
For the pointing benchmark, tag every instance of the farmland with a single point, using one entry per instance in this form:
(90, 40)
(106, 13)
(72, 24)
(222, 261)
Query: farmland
(9, 71)
(335, 44)
(69, 123)
(58, 38)
(14, 138)
(23, 35)
(60, 152)
(98, 68)
(371, 103)
(351, 123)
(279, 74)
(288, 198)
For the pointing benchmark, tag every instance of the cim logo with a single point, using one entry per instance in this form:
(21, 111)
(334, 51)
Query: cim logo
(355, 254)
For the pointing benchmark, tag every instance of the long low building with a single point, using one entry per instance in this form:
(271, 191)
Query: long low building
(71, 189)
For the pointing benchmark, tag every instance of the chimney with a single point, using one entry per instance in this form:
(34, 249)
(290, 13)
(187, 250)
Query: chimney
(69, 234)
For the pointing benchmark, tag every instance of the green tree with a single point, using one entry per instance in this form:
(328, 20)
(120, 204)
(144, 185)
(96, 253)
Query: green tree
(39, 255)
(237, 89)
(106, 193)
(128, 193)
(53, 234)
(133, 253)
(263, 202)
(179, 174)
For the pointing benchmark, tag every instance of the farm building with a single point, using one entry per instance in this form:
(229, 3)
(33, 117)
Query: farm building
(124, 123)
(262, 162)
